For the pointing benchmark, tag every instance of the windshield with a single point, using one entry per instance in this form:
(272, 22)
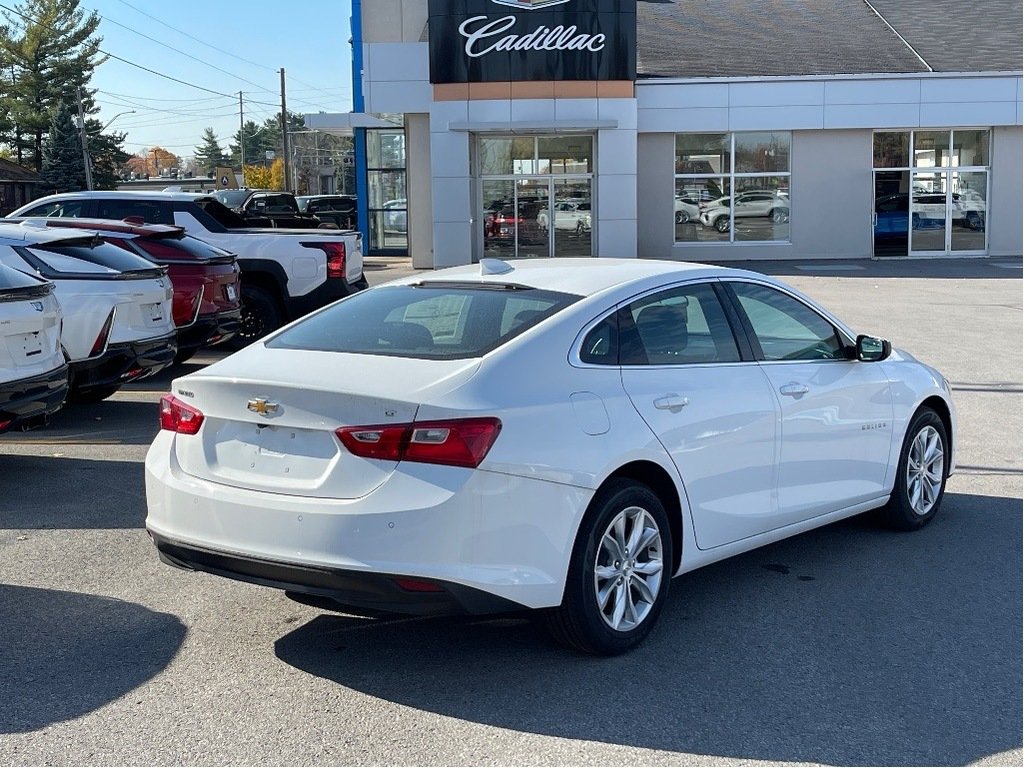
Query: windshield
(232, 198)
(439, 321)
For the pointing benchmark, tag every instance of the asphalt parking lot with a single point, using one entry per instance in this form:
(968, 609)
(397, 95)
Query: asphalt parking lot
(848, 645)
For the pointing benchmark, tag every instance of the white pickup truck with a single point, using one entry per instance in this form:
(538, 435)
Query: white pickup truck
(285, 272)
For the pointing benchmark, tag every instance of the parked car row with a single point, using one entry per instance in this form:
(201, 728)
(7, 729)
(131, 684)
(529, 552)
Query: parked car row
(285, 273)
(79, 318)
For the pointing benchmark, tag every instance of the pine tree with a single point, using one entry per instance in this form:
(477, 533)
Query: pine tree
(63, 169)
(209, 154)
(52, 49)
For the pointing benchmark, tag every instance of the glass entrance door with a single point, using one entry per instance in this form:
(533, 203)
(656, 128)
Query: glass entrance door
(536, 217)
(536, 196)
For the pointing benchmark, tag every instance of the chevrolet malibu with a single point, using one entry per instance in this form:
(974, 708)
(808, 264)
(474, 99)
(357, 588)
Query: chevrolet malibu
(558, 434)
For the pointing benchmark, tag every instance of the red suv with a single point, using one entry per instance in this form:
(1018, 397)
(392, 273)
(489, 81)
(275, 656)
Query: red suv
(205, 279)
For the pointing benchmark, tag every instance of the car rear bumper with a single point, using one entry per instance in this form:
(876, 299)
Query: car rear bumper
(336, 588)
(28, 403)
(124, 362)
(468, 531)
(209, 329)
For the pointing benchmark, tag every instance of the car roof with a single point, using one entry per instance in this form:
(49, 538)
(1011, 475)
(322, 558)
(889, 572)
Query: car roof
(580, 276)
(135, 194)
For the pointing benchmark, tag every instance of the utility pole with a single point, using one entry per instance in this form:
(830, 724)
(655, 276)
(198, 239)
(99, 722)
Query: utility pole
(241, 135)
(284, 135)
(85, 143)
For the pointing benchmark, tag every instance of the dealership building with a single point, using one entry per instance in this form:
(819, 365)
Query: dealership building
(685, 129)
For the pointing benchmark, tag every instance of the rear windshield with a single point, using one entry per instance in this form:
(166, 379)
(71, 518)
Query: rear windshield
(430, 321)
(98, 258)
(186, 248)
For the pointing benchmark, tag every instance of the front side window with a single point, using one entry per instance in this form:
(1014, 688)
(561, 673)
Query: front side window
(785, 328)
(732, 187)
(681, 326)
(430, 321)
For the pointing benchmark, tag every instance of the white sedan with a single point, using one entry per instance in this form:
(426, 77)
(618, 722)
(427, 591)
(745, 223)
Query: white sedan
(562, 434)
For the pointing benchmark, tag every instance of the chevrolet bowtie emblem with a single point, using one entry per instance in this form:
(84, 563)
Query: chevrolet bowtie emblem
(262, 406)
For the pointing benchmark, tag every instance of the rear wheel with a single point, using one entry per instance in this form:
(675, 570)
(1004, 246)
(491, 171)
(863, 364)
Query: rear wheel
(619, 573)
(722, 223)
(260, 314)
(920, 474)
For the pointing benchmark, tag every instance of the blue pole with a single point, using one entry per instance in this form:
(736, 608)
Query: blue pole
(359, 135)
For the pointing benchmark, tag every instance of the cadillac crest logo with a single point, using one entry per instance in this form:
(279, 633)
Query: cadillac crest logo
(530, 4)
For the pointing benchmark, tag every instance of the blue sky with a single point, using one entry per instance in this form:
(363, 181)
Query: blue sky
(310, 39)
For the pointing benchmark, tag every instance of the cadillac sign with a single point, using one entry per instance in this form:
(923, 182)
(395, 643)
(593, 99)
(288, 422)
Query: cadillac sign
(475, 41)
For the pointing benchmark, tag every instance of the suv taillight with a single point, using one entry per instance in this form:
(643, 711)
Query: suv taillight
(335, 257)
(179, 417)
(104, 335)
(455, 442)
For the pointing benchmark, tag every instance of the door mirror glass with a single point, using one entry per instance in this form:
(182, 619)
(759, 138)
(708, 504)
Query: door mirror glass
(871, 349)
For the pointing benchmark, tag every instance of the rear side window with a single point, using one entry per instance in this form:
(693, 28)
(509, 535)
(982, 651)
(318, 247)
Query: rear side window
(188, 249)
(67, 209)
(150, 211)
(441, 321)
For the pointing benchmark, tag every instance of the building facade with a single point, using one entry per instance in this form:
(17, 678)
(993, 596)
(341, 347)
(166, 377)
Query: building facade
(692, 131)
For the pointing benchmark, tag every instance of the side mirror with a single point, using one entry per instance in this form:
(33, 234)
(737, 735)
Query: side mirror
(871, 349)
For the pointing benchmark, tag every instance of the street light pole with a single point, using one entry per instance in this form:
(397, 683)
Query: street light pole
(85, 144)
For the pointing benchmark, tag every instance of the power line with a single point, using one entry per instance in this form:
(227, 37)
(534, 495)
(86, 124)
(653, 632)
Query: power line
(119, 58)
(227, 53)
(183, 53)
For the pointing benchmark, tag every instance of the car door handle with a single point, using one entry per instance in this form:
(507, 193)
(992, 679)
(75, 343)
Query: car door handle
(672, 402)
(794, 389)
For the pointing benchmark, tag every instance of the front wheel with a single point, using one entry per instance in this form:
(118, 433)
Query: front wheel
(619, 574)
(920, 474)
(682, 217)
(722, 223)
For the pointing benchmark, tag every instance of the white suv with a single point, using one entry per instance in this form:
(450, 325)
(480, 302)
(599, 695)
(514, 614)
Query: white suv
(118, 325)
(33, 372)
(764, 202)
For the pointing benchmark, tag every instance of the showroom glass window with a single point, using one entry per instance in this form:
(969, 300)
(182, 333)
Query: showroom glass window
(388, 204)
(931, 191)
(732, 187)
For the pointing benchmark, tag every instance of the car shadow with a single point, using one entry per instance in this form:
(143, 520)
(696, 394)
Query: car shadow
(67, 654)
(848, 645)
(41, 492)
(1007, 268)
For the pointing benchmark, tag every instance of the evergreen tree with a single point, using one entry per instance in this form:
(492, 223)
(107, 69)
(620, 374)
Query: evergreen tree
(259, 139)
(51, 48)
(107, 154)
(63, 169)
(209, 155)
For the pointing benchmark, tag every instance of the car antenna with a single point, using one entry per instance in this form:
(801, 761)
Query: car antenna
(495, 267)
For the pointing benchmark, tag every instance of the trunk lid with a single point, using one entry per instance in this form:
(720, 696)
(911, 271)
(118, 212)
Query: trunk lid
(270, 417)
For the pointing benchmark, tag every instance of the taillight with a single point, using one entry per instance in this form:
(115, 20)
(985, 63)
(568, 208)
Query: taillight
(457, 442)
(104, 335)
(335, 257)
(179, 417)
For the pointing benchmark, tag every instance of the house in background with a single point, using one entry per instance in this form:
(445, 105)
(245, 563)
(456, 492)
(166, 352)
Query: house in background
(17, 186)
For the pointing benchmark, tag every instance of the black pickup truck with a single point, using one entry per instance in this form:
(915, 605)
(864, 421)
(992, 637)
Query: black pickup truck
(267, 208)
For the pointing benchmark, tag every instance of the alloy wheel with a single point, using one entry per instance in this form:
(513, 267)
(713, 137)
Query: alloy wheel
(628, 569)
(925, 467)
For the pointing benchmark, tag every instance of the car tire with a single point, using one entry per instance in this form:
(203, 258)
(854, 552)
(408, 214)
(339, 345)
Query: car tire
(612, 598)
(682, 217)
(184, 355)
(920, 474)
(722, 224)
(779, 215)
(260, 315)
